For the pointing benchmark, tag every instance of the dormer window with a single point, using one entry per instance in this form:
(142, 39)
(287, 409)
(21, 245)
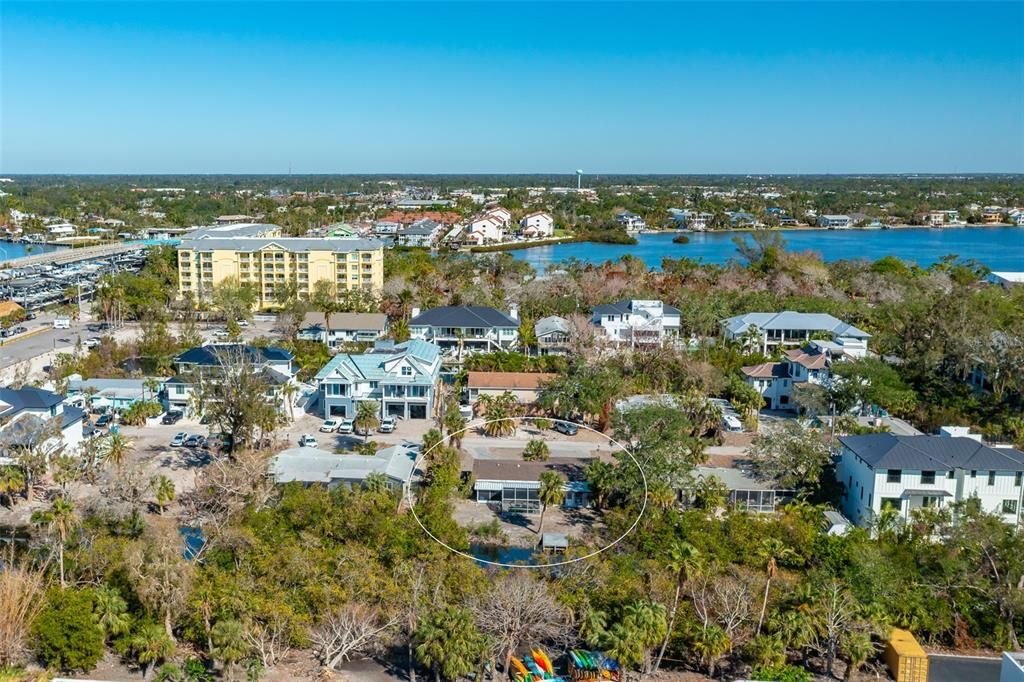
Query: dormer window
(406, 371)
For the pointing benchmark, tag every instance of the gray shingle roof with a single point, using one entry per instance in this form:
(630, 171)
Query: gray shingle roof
(931, 453)
(463, 316)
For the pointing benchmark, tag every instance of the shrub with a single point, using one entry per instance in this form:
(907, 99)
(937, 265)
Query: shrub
(67, 637)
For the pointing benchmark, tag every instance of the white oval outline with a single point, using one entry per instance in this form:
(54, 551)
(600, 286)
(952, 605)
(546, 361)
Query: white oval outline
(473, 424)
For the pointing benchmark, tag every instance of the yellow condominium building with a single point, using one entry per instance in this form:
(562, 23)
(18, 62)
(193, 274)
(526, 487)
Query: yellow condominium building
(270, 262)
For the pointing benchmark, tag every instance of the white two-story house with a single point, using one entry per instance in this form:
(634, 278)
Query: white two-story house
(637, 322)
(462, 329)
(35, 418)
(402, 379)
(883, 471)
(765, 331)
(343, 328)
(775, 380)
(537, 225)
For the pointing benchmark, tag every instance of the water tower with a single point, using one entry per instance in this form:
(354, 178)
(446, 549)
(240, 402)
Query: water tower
(579, 179)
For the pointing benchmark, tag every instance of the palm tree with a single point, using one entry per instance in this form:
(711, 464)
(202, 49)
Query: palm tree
(366, 417)
(152, 385)
(601, 479)
(536, 451)
(431, 440)
(858, 647)
(60, 519)
(229, 644)
(118, 448)
(163, 490)
(683, 559)
(551, 492)
(150, 644)
(288, 392)
(111, 612)
(12, 482)
(455, 424)
(648, 624)
(771, 552)
(662, 496)
(711, 644)
(449, 643)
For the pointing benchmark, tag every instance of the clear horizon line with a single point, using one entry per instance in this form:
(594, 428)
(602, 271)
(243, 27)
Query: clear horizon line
(511, 173)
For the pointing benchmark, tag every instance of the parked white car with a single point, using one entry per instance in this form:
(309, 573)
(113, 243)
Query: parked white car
(307, 441)
(330, 425)
(388, 424)
(346, 426)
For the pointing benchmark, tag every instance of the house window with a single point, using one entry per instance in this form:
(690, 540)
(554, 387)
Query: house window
(893, 476)
(929, 501)
(991, 478)
(974, 474)
(406, 371)
(927, 477)
(892, 503)
(1009, 506)
(949, 474)
(1017, 478)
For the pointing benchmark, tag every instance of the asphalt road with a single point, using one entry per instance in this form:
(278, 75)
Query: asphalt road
(962, 669)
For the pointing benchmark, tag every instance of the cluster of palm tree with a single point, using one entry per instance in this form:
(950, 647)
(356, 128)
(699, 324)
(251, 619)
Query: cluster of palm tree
(501, 412)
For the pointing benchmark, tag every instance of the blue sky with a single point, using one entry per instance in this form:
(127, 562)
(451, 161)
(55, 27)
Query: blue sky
(729, 87)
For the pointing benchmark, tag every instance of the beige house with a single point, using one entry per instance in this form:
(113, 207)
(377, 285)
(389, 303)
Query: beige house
(523, 385)
(268, 263)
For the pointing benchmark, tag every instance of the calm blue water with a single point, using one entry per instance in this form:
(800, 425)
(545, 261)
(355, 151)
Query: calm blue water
(9, 250)
(1000, 248)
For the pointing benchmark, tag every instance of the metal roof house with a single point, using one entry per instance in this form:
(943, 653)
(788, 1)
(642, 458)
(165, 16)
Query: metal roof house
(464, 329)
(514, 485)
(790, 328)
(402, 378)
(552, 334)
(313, 466)
(904, 473)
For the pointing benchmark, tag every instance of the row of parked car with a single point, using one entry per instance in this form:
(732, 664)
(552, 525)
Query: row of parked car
(12, 331)
(345, 426)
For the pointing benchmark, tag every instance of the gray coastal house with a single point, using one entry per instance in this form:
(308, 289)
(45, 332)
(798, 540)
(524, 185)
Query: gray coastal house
(789, 328)
(464, 329)
(402, 378)
(311, 466)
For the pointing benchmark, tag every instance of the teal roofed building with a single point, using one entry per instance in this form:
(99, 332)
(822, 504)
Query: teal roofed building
(402, 378)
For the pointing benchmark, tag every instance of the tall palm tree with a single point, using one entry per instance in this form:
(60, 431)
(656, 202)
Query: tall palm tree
(683, 559)
(455, 424)
(551, 492)
(163, 490)
(59, 519)
(366, 417)
(771, 552)
(118, 449)
(12, 482)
